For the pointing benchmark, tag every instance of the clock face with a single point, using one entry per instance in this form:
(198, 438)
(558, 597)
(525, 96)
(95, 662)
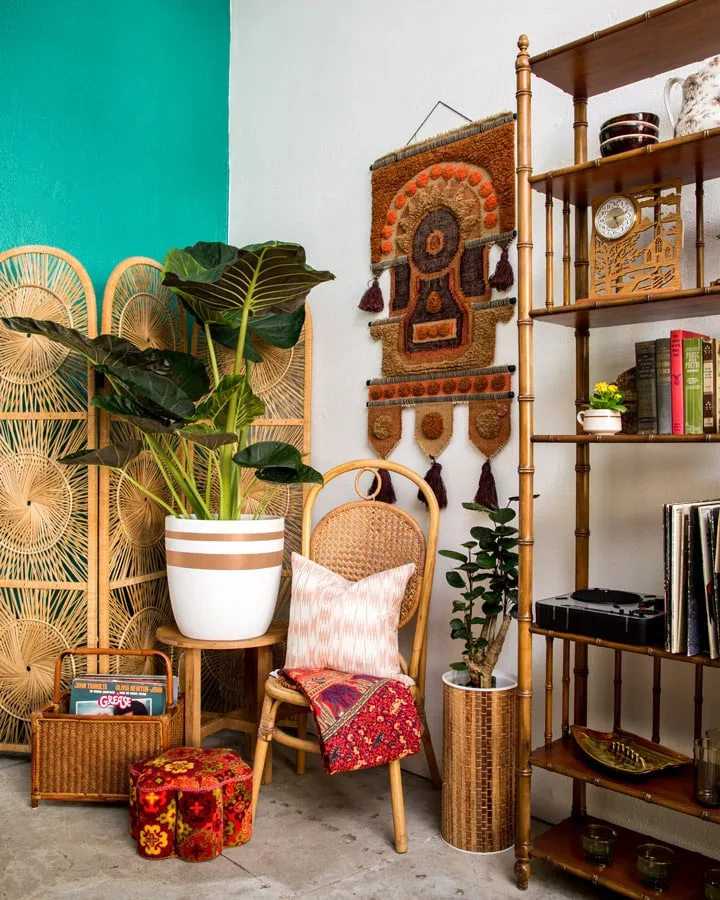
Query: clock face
(615, 217)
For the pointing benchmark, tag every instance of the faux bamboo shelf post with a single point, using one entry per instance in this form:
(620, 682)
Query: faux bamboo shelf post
(673, 35)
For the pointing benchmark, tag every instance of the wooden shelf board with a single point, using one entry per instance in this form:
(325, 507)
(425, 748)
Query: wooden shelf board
(561, 846)
(690, 158)
(632, 309)
(625, 438)
(673, 790)
(656, 41)
(627, 648)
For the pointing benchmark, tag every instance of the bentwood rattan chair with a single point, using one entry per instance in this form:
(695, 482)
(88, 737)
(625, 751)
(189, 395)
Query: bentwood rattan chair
(355, 540)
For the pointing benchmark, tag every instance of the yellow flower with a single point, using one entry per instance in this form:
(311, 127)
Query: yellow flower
(601, 386)
(613, 388)
(153, 839)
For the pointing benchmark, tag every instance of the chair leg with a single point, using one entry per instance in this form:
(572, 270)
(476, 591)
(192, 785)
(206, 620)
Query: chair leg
(265, 733)
(398, 806)
(430, 755)
(301, 755)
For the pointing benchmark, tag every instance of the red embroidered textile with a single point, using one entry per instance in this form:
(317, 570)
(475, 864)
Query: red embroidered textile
(190, 802)
(362, 720)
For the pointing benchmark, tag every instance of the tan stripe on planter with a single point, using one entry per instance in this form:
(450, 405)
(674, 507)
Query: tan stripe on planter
(204, 536)
(221, 561)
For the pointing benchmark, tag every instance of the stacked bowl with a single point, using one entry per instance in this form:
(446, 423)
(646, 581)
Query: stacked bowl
(628, 132)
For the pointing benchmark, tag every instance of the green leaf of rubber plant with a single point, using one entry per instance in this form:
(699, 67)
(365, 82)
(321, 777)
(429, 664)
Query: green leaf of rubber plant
(502, 516)
(114, 456)
(459, 666)
(453, 554)
(454, 579)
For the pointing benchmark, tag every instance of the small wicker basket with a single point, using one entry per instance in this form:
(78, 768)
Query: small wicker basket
(76, 757)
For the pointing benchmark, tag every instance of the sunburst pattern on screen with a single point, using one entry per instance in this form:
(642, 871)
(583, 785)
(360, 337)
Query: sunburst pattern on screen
(37, 375)
(142, 310)
(35, 627)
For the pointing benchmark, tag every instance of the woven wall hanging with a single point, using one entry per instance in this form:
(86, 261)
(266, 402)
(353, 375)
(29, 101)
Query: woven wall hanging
(437, 208)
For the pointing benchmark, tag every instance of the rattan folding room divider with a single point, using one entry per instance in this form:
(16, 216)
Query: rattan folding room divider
(82, 554)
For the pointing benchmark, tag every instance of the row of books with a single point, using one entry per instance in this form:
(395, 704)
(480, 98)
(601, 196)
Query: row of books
(692, 579)
(122, 695)
(677, 383)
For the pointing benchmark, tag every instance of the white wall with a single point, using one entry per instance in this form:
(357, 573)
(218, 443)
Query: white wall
(318, 91)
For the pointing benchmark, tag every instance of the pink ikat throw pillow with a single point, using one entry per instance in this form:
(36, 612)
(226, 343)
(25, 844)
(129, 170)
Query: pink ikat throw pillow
(349, 626)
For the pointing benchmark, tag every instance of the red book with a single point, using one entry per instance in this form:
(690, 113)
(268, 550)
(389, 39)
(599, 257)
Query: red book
(676, 378)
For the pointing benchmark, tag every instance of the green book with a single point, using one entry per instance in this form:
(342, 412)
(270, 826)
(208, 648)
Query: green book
(693, 385)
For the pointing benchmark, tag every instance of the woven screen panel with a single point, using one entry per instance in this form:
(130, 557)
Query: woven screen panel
(48, 512)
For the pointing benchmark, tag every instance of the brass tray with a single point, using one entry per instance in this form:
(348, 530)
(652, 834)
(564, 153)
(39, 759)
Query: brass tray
(624, 753)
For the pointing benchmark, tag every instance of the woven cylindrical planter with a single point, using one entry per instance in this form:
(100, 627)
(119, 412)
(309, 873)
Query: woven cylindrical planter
(479, 746)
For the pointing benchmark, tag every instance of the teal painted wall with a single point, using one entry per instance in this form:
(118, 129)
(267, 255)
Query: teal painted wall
(113, 126)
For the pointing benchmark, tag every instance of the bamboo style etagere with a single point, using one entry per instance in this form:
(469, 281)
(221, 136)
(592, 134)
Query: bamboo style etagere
(673, 35)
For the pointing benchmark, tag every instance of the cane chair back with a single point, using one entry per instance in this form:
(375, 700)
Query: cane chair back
(366, 536)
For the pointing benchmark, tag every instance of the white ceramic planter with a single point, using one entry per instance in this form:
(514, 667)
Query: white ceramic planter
(224, 576)
(479, 747)
(600, 421)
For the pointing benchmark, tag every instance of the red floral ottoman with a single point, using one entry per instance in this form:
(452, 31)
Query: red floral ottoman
(190, 802)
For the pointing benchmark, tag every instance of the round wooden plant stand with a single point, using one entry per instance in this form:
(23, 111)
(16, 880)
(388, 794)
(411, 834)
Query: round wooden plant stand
(258, 665)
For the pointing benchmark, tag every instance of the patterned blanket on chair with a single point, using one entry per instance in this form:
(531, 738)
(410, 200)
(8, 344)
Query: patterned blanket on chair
(362, 721)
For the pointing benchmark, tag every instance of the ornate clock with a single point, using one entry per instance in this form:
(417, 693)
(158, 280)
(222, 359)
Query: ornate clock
(636, 241)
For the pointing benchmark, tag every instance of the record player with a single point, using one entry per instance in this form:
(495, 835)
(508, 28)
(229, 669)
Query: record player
(610, 615)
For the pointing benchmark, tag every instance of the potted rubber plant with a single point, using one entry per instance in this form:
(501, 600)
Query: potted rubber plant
(224, 563)
(479, 702)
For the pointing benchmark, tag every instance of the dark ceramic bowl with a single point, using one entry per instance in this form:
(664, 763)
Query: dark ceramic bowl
(625, 129)
(623, 144)
(644, 117)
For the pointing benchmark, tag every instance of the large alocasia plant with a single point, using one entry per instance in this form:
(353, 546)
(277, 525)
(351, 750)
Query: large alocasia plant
(235, 295)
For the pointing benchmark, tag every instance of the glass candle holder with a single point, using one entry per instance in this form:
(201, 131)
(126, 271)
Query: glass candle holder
(707, 772)
(656, 864)
(598, 841)
(711, 883)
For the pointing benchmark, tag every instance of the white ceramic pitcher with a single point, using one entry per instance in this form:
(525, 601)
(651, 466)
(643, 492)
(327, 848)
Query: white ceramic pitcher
(700, 108)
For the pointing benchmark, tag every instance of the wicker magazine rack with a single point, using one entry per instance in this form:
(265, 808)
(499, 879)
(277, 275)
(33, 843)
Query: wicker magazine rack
(76, 757)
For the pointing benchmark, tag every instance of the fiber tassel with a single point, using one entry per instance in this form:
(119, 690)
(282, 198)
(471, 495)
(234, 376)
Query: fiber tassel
(372, 300)
(386, 494)
(433, 477)
(503, 277)
(486, 493)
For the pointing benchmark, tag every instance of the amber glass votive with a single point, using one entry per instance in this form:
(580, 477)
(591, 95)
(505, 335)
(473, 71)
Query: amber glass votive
(598, 841)
(656, 864)
(707, 772)
(711, 883)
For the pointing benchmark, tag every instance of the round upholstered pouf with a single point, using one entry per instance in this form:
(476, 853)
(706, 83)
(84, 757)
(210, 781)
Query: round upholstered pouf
(190, 802)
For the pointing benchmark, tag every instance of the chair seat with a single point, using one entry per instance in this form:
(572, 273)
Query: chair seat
(278, 691)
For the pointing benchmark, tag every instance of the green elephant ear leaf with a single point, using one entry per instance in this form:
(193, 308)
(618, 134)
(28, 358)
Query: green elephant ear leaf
(130, 410)
(114, 456)
(215, 407)
(206, 435)
(278, 475)
(282, 330)
(106, 349)
(160, 396)
(277, 462)
(262, 278)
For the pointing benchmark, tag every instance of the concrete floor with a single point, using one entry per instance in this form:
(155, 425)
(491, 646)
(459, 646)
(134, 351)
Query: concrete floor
(316, 838)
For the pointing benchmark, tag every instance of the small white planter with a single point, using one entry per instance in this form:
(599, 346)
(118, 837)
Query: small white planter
(224, 576)
(600, 421)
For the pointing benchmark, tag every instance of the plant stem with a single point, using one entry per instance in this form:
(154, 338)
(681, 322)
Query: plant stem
(161, 468)
(211, 354)
(144, 490)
